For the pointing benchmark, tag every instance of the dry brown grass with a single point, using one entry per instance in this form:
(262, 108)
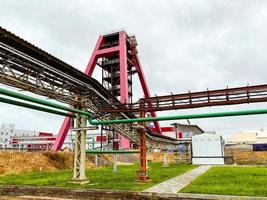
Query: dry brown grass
(16, 162)
(60, 160)
(159, 157)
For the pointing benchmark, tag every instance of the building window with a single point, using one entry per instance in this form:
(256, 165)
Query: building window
(6, 133)
(2, 133)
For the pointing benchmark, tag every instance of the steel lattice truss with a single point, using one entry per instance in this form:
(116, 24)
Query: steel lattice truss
(27, 67)
(24, 72)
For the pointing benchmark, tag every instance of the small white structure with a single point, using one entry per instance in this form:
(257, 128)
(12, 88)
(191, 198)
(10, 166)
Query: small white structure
(207, 148)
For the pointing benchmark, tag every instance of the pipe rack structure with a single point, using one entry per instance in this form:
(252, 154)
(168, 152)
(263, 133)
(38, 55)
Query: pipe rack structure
(228, 96)
(24, 66)
(83, 116)
(93, 121)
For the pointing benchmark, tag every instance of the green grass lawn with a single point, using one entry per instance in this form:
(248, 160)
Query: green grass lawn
(244, 181)
(101, 178)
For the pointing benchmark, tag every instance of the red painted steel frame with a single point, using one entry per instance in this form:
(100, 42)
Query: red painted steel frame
(97, 53)
(123, 68)
(92, 62)
(62, 134)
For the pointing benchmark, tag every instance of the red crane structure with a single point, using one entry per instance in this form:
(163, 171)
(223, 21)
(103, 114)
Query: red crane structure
(116, 53)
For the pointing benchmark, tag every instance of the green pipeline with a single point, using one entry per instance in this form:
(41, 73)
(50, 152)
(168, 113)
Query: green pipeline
(96, 122)
(35, 107)
(40, 101)
(180, 117)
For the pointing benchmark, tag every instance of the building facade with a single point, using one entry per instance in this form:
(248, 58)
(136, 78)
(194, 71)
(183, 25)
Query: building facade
(12, 138)
(249, 137)
(180, 131)
(8, 131)
(40, 142)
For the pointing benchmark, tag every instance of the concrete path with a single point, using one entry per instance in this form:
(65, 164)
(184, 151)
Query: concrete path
(175, 184)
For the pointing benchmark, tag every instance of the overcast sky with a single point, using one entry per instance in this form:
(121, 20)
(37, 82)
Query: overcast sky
(183, 45)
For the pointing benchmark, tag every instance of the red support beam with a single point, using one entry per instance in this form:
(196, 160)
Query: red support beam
(93, 59)
(123, 68)
(108, 51)
(62, 134)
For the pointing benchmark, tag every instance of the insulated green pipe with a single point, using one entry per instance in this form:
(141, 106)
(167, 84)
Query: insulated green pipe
(132, 120)
(179, 117)
(26, 105)
(40, 101)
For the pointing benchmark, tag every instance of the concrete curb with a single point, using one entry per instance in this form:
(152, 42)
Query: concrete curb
(29, 192)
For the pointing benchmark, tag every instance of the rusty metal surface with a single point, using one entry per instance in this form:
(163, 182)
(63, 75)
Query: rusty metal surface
(228, 96)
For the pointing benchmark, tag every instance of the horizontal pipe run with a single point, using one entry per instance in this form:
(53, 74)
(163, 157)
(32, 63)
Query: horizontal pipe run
(35, 107)
(40, 101)
(184, 106)
(180, 117)
(112, 152)
(95, 122)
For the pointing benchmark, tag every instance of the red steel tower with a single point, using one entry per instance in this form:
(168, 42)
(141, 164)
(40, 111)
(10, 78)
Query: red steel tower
(116, 54)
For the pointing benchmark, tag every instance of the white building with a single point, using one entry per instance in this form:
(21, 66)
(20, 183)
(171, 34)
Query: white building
(10, 137)
(8, 131)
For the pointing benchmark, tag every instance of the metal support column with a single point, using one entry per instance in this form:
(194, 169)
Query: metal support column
(80, 151)
(142, 174)
(96, 160)
(165, 158)
(115, 159)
